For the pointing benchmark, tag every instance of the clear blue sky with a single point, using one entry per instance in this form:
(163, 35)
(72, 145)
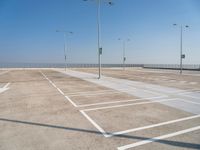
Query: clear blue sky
(27, 31)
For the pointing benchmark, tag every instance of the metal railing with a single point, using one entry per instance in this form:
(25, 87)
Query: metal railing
(173, 66)
(62, 65)
(81, 65)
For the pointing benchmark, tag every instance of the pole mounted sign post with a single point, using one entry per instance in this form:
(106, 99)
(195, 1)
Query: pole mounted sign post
(124, 51)
(182, 56)
(100, 51)
(109, 2)
(65, 44)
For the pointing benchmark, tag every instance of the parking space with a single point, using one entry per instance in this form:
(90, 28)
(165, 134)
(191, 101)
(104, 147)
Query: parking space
(109, 118)
(48, 109)
(101, 98)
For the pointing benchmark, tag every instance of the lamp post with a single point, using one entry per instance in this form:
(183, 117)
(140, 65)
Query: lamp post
(109, 2)
(182, 56)
(65, 44)
(124, 51)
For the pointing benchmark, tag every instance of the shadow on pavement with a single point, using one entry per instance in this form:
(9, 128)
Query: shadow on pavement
(172, 143)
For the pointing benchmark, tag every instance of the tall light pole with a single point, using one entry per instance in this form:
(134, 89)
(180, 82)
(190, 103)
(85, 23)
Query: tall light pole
(65, 44)
(124, 51)
(182, 56)
(99, 31)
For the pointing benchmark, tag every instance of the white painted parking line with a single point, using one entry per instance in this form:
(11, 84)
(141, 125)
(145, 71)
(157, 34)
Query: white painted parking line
(58, 89)
(88, 92)
(71, 101)
(158, 138)
(124, 105)
(93, 93)
(4, 88)
(153, 126)
(192, 83)
(54, 85)
(189, 101)
(194, 94)
(121, 101)
(93, 122)
(191, 96)
(188, 91)
(100, 128)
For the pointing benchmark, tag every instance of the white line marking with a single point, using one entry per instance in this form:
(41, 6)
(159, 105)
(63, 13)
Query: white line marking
(59, 90)
(121, 101)
(110, 102)
(188, 91)
(189, 101)
(135, 129)
(5, 86)
(192, 83)
(158, 138)
(91, 121)
(94, 94)
(3, 90)
(76, 93)
(153, 126)
(54, 85)
(191, 96)
(108, 107)
(71, 101)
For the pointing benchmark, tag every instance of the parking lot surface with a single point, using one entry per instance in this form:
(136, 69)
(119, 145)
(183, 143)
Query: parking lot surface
(133, 109)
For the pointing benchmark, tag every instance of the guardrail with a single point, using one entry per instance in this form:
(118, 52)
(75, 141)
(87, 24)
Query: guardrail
(62, 65)
(173, 66)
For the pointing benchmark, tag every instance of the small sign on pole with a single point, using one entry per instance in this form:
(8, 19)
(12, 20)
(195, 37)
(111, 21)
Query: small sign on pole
(183, 56)
(100, 50)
